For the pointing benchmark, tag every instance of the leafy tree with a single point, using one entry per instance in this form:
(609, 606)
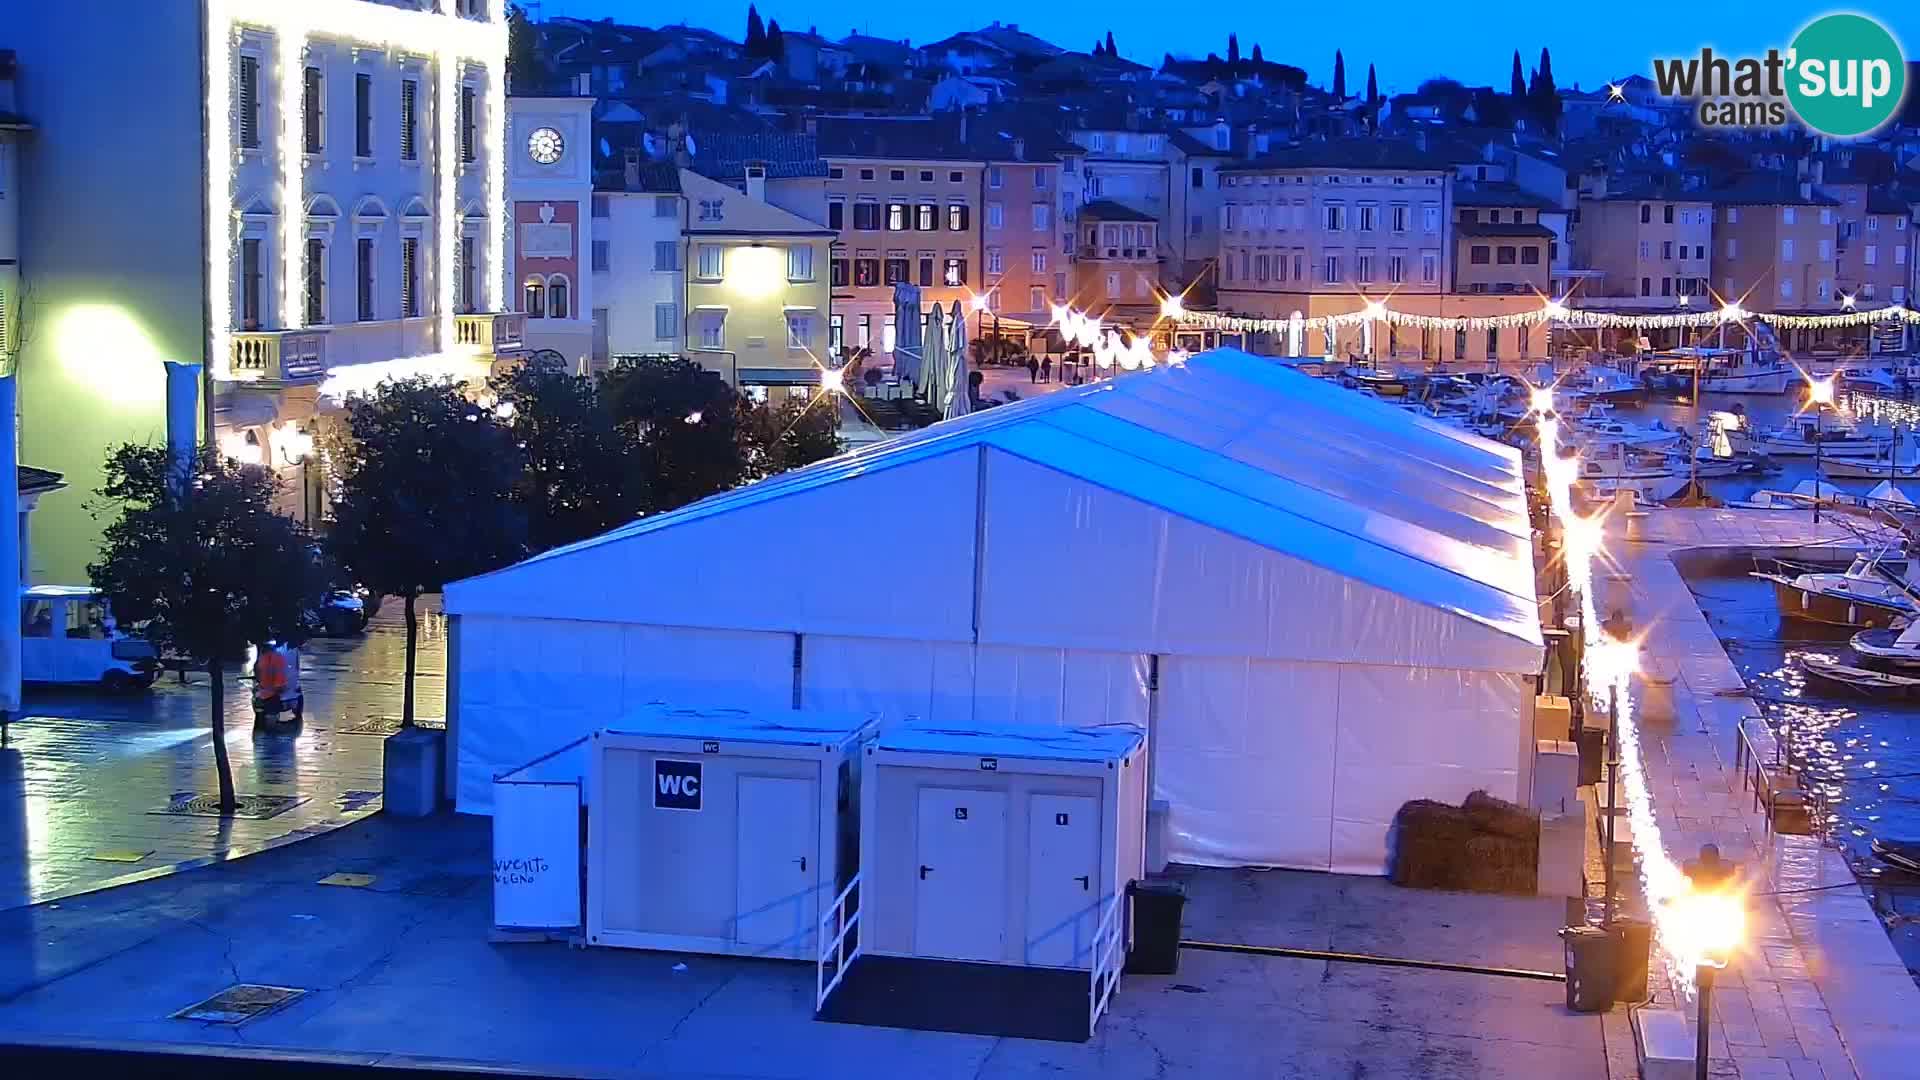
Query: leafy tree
(684, 420)
(756, 33)
(1339, 76)
(776, 43)
(208, 562)
(1519, 77)
(582, 475)
(426, 486)
(1233, 48)
(787, 436)
(1110, 49)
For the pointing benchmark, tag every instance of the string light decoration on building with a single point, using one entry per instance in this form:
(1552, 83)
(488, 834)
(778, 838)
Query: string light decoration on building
(448, 39)
(1550, 311)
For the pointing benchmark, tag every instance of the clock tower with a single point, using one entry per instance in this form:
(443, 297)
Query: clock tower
(550, 196)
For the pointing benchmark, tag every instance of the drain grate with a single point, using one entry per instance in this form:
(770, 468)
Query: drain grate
(252, 807)
(240, 1003)
(390, 725)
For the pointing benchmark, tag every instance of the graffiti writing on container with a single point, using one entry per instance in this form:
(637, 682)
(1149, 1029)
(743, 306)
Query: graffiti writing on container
(518, 871)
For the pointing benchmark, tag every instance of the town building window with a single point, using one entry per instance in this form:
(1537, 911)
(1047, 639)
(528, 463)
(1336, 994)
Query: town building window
(248, 105)
(1331, 269)
(602, 256)
(534, 298)
(996, 215)
(363, 266)
(713, 209)
(958, 216)
(1429, 267)
(468, 130)
(836, 332)
(956, 176)
(713, 262)
(1336, 218)
(996, 261)
(866, 271)
(926, 269)
(866, 216)
(866, 332)
(1459, 343)
(1667, 212)
(1396, 268)
(310, 110)
(1479, 254)
(713, 329)
(1646, 286)
(557, 297)
(842, 271)
(666, 206)
(409, 120)
(1042, 216)
(866, 174)
(469, 296)
(363, 115)
(995, 179)
(1666, 250)
(1397, 217)
(836, 214)
(955, 273)
(1505, 255)
(666, 322)
(896, 217)
(1367, 216)
(800, 263)
(926, 218)
(1039, 262)
(316, 282)
(898, 174)
(410, 278)
(1646, 213)
(799, 331)
(896, 269)
(1530, 256)
(666, 255)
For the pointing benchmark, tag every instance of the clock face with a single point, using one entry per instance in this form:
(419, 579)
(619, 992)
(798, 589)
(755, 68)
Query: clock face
(545, 145)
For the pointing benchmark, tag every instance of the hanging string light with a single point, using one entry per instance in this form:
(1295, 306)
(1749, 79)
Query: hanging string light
(1550, 311)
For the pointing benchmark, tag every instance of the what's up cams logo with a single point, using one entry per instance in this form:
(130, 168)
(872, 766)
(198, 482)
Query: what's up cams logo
(1843, 75)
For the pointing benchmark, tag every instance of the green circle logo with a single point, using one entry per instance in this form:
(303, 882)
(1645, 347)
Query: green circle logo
(1845, 75)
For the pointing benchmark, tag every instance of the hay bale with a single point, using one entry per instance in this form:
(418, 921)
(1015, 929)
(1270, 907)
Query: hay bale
(1501, 864)
(1498, 817)
(1430, 840)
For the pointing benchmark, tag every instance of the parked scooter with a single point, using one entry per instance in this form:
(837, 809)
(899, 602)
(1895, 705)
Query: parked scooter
(276, 687)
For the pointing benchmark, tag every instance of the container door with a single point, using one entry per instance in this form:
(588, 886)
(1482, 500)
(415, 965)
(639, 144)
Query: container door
(960, 901)
(1063, 879)
(778, 855)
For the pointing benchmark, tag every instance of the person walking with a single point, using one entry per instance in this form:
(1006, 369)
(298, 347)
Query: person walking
(1046, 369)
(1033, 370)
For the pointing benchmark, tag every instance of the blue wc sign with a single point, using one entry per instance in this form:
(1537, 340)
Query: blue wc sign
(676, 784)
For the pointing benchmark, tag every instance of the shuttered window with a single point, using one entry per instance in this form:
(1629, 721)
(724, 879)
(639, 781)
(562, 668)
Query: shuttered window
(409, 120)
(310, 113)
(248, 104)
(363, 115)
(316, 282)
(363, 275)
(409, 278)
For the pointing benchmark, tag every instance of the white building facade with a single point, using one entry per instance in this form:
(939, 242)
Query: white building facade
(316, 200)
(639, 261)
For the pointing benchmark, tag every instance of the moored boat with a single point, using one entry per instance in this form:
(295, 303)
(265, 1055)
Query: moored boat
(1889, 648)
(1866, 595)
(1861, 681)
(1899, 854)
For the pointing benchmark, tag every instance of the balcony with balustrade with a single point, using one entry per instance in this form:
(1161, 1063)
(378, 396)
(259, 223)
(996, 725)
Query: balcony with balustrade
(278, 358)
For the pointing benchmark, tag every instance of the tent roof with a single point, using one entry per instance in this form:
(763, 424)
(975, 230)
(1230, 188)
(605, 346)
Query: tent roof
(790, 727)
(1242, 446)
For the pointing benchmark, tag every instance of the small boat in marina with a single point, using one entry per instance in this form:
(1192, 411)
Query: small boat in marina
(1808, 436)
(1881, 467)
(1861, 681)
(1902, 855)
(1859, 379)
(1607, 469)
(1720, 371)
(1889, 648)
(1597, 384)
(1866, 595)
(1598, 424)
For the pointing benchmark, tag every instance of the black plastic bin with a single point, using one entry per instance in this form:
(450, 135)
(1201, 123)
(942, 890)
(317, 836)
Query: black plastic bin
(1157, 910)
(1591, 977)
(1635, 940)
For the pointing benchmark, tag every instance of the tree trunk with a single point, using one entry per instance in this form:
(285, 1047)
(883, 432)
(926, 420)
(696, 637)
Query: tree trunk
(228, 804)
(413, 644)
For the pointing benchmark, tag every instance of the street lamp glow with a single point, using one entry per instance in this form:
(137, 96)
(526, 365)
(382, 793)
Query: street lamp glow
(1685, 300)
(693, 417)
(1172, 308)
(1060, 313)
(1376, 310)
(1556, 309)
(1540, 399)
(832, 382)
(1820, 391)
(1731, 311)
(978, 301)
(1709, 923)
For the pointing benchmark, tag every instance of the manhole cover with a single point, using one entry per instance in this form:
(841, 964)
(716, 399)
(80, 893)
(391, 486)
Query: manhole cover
(349, 801)
(390, 725)
(348, 879)
(239, 1003)
(253, 807)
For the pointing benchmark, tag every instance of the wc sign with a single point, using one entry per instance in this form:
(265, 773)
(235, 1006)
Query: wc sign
(676, 785)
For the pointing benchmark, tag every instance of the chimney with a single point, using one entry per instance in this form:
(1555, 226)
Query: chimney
(1806, 189)
(757, 181)
(813, 126)
(633, 158)
(1019, 149)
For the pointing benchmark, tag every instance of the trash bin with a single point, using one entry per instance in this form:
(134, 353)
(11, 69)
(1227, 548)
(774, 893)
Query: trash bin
(1633, 938)
(1157, 909)
(1590, 968)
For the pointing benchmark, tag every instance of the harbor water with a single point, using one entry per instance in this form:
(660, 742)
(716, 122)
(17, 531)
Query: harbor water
(1865, 755)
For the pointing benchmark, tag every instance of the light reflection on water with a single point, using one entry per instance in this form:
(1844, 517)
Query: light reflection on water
(1863, 756)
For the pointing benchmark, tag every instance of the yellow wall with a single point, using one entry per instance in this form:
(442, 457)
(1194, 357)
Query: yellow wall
(754, 289)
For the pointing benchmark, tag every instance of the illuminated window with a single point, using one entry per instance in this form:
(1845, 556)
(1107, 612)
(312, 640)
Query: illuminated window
(713, 262)
(533, 298)
(557, 297)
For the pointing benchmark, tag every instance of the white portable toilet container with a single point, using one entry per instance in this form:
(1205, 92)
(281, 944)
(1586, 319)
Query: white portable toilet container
(1001, 845)
(721, 830)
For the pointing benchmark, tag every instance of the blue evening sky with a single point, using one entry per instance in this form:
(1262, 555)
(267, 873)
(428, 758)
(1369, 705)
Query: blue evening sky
(1409, 40)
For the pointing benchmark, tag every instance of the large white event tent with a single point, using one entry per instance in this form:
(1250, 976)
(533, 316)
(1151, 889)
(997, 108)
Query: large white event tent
(1320, 606)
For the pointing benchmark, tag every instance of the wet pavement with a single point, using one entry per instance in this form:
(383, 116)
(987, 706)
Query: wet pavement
(88, 778)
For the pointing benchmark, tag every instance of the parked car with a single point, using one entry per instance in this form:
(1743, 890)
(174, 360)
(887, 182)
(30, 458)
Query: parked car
(67, 635)
(343, 613)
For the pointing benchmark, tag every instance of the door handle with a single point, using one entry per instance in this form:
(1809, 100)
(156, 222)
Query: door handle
(803, 864)
(1085, 884)
(924, 871)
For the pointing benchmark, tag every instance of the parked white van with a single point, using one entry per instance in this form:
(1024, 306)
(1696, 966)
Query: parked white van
(67, 635)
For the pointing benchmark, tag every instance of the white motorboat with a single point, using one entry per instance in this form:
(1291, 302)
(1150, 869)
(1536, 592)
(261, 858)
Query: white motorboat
(1597, 384)
(1754, 370)
(1609, 468)
(1598, 424)
(1868, 380)
(1889, 648)
(1808, 436)
(1886, 466)
(1867, 594)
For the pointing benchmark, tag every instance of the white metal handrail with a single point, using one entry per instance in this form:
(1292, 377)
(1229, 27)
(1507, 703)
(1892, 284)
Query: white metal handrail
(834, 944)
(1107, 958)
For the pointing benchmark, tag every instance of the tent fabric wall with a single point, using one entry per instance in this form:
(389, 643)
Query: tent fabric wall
(1303, 765)
(526, 686)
